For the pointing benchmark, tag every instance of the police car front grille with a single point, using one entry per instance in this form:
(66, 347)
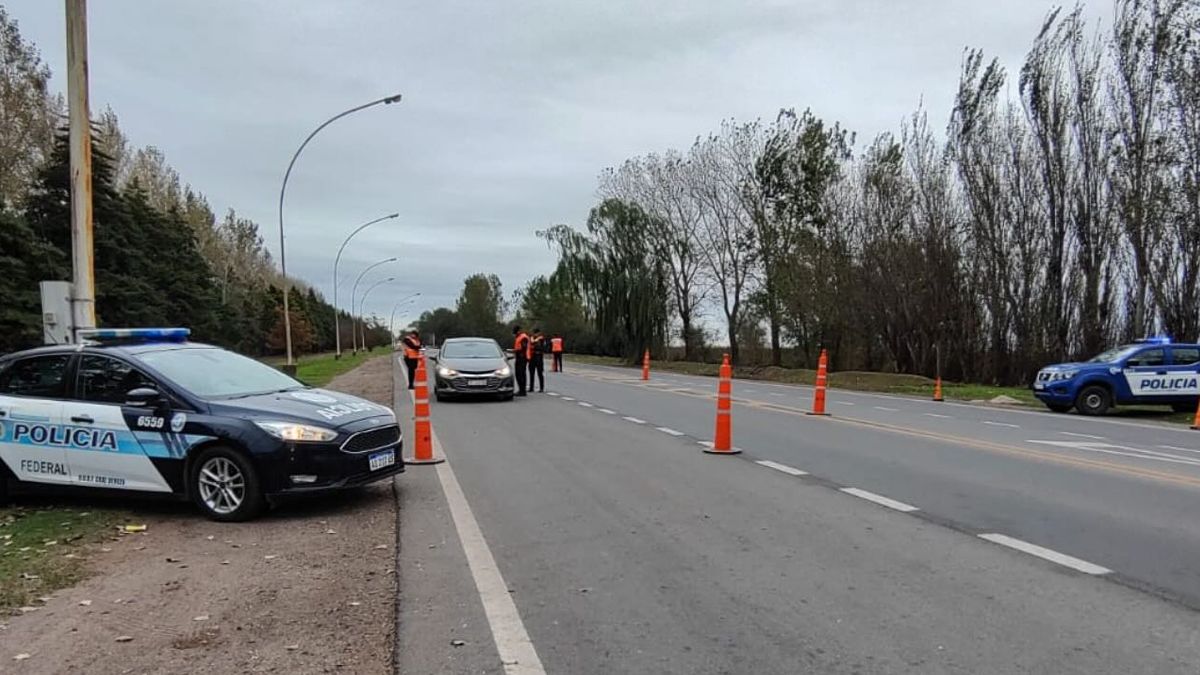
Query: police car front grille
(372, 439)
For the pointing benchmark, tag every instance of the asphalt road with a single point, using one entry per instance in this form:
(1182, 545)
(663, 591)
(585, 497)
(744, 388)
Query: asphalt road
(625, 549)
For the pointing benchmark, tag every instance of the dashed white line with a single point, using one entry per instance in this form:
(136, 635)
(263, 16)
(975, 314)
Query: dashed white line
(1094, 438)
(1001, 424)
(1177, 448)
(879, 407)
(844, 403)
(940, 417)
(778, 395)
(881, 500)
(792, 471)
(750, 391)
(552, 393)
(606, 411)
(1046, 554)
(567, 398)
(585, 404)
(669, 430)
(634, 420)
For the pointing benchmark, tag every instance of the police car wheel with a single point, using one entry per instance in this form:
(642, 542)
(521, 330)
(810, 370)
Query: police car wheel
(225, 485)
(1093, 400)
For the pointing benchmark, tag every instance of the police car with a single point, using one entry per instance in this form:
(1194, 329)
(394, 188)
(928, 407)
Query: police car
(145, 410)
(1151, 371)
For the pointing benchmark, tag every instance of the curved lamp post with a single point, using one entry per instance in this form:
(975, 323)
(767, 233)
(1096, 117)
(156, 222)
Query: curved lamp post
(403, 301)
(287, 317)
(353, 304)
(337, 324)
(362, 303)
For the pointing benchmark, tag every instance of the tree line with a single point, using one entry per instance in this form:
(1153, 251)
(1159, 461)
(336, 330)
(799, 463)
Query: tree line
(1050, 219)
(162, 256)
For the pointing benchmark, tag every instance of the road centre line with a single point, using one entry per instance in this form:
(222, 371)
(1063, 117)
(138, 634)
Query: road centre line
(585, 404)
(940, 417)
(844, 403)
(567, 398)
(880, 499)
(1046, 554)
(669, 430)
(552, 393)
(1094, 438)
(634, 420)
(1001, 424)
(606, 411)
(791, 471)
(879, 407)
(1178, 449)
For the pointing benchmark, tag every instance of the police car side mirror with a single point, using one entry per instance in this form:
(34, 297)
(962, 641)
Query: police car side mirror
(145, 397)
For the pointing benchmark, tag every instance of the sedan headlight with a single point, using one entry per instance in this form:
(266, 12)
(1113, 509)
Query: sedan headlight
(1063, 375)
(299, 433)
(447, 372)
(504, 372)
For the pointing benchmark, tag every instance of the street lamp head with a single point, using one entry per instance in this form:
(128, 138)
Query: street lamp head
(392, 99)
(393, 215)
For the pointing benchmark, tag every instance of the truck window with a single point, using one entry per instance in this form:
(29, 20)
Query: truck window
(1148, 359)
(1185, 356)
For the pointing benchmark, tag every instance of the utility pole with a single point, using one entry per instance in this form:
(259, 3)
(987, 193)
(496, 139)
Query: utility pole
(83, 294)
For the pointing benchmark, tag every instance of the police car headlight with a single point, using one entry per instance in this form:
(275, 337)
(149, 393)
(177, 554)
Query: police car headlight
(504, 372)
(301, 433)
(1064, 375)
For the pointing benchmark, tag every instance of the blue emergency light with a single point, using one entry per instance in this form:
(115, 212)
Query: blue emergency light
(1156, 340)
(135, 334)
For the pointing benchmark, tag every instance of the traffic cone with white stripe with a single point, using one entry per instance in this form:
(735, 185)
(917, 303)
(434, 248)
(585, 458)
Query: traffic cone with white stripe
(646, 365)
(819, 392)
(422, 427)
(723, 441)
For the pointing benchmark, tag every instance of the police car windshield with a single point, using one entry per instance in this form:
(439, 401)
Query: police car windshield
(470, 350)
(216, 373)
(1114, 355)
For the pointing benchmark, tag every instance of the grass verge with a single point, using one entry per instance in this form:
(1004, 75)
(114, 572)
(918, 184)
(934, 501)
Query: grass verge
(43, 549)
(886, 383)
(316, 370)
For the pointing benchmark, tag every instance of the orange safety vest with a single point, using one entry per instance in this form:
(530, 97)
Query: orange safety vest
(521, 345)
(556, 345)
(411, 352)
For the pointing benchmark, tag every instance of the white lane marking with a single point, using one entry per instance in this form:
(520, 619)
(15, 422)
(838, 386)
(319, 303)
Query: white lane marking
(781, 467)
(516, 650)
(585, 404)
(1124, 451)
(940, 417)
(879, 407)
(552, 393)
(1177, 448)
(1094, 438)
(1001, 424)
(669, 430)
(567, 398)
(778, 395)
(880, 499)
(844, 403)
(750, 391)
(1046, 554)
(634, 420)
(606, 411)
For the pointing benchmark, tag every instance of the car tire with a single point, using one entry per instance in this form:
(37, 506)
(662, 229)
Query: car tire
(1093, 401)
(1059, 407)
(225, 485)
(1183, 407)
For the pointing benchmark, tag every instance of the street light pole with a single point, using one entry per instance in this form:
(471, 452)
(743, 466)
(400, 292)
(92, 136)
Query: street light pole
(403, 301)
(353, 293)
(83, 281)
(362, 303)
(287, 318)
(337, 324)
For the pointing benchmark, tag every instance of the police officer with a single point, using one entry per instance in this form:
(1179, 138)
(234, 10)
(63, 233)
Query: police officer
(537, 360)
(412, 355)
(520, 358)
(556, 352)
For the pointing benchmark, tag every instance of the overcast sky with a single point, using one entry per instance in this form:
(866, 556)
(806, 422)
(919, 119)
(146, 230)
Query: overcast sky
(511, 109)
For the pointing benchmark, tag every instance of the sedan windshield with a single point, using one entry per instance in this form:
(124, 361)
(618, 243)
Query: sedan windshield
(1114, 355)
(471, 350)
(216, 373)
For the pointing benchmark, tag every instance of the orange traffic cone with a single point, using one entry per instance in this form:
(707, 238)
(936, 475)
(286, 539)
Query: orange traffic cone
(422, 428)
(819, 393)
(937, 389)
(646, 365)
(1196, 422)
(723, 441)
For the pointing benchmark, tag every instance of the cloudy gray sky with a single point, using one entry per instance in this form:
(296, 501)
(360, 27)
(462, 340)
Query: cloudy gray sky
(511, 109)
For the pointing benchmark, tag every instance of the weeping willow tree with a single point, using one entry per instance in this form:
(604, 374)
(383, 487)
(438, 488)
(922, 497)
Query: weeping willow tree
(619, 276)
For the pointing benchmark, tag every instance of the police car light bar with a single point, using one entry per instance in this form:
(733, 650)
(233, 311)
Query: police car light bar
(1157, 340)
(135, 334)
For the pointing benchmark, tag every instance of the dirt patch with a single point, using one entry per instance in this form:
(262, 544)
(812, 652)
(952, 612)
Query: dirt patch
(310, 588)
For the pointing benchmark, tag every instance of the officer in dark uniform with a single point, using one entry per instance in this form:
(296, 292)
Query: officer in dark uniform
(537, 360)
(412, 355)
(520, 358)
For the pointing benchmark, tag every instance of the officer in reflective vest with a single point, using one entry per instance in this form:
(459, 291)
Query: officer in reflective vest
(412, 355)
(520, 358)
(537, 360)
(556, 352)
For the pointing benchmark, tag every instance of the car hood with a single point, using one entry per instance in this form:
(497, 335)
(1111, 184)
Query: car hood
(486, 365)
(321, 406)
(1079, 367)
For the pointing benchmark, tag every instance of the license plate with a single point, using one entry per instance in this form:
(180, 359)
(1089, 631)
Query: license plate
(1039, 386)
(383, 459)
(476, 383)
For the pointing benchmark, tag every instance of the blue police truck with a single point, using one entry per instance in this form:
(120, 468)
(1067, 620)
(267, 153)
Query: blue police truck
(1153, 371)
(145, 410)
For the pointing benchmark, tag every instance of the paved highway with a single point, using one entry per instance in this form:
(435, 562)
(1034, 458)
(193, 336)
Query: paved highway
(621, 548)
